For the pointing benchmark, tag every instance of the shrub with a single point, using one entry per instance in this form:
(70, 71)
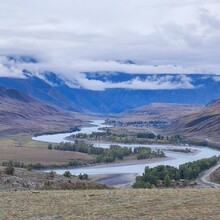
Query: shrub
(51, 174)
(83, 176)
(29, 168)
(9, 170)
(67, 174)
(50, 147)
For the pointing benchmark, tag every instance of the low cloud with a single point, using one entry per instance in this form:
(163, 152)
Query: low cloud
(71, 37)
(74, 76)
(166, 82)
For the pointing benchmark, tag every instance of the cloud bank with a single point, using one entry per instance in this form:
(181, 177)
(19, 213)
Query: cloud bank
(71, 37)
(14, 67)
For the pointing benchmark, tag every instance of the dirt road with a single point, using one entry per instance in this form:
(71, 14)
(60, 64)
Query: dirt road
(205, 178)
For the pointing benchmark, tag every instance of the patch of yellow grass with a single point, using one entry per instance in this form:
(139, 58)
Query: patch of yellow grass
(112, 204)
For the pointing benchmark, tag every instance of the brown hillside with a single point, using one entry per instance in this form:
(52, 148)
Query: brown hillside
(159, 111)
(203, 124)
(20, 113)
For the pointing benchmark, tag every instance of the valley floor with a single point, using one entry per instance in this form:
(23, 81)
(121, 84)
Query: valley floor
(112, 204)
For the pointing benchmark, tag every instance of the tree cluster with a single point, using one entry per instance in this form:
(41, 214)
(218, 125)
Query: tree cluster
(108, 155)
(166, 176)
(147, 153)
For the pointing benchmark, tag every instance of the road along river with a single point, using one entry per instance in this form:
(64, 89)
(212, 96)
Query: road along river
(137, 167)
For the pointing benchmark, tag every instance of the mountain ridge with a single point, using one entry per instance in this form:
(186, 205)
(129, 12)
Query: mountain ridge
(203, 124)
(21, 113)
(55, 90)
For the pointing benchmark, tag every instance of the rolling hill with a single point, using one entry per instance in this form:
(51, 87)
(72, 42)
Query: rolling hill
(159, 112)
(203, 124)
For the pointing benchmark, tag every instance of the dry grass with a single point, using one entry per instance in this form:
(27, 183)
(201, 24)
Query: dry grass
(215, 176)
(112, 204)
(9, 151)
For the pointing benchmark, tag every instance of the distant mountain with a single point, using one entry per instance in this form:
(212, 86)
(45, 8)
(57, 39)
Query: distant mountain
(160, 112)
(51, 89)
(20, 113)
(204, 124)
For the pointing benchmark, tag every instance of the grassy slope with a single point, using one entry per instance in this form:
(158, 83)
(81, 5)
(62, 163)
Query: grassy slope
(112, 204)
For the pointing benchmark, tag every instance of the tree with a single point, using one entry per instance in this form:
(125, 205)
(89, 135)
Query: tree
(167, 181)
(50, 147)
(83, 176)
(67, 174)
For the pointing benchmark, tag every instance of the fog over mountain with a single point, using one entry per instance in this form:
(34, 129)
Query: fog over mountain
(106, 91)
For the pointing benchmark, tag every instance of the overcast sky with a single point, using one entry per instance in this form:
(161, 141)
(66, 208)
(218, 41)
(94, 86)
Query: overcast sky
(72, 36)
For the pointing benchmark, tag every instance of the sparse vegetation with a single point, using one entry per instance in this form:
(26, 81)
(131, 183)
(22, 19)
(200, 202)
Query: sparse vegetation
(21, 179)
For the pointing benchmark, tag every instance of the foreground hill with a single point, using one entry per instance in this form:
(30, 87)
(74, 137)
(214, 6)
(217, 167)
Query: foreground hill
(112, 204)
(19, 113)
(26, 179)
(203, 124)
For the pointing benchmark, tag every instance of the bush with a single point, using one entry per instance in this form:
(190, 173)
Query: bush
(83, 176)
(9, 170)
(29, 168)
(51, 174)
(50, 147)
(67, 174)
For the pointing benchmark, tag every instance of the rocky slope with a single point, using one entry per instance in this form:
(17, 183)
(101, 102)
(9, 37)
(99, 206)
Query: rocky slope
(23, 179)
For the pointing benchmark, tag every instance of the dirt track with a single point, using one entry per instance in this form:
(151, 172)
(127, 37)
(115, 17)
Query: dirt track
(205, 178)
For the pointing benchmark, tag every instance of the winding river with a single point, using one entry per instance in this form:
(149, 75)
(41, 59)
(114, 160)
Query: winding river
(173, 158)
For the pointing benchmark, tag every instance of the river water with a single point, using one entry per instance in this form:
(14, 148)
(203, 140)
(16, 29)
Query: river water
(175, 158)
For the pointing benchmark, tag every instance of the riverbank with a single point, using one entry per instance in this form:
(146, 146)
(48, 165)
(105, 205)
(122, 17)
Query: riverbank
(122, 180)
(117, 163)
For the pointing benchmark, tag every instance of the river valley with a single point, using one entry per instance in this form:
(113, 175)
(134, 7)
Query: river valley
(119, 170)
